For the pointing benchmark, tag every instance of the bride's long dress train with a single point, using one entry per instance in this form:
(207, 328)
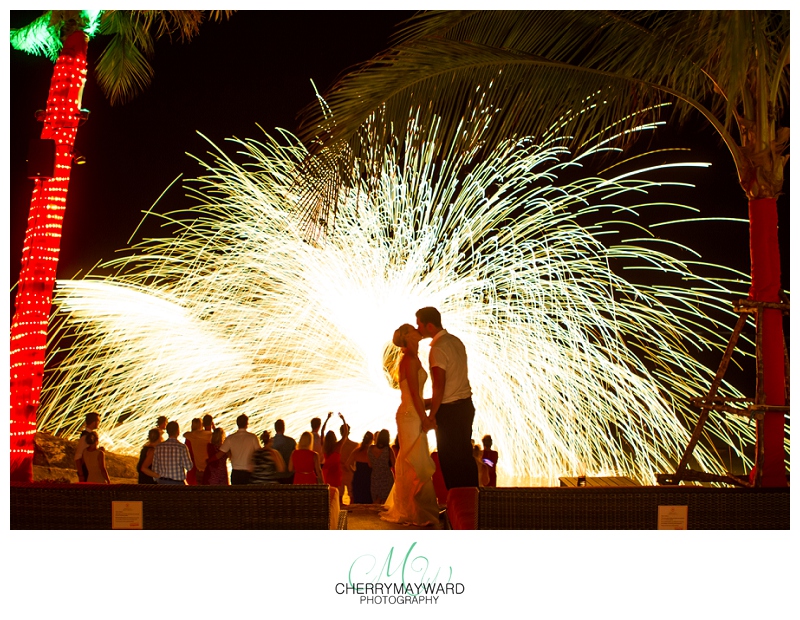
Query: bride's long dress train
(413, 498)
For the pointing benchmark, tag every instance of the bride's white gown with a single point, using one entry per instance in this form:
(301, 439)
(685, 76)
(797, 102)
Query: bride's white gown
(412, 499)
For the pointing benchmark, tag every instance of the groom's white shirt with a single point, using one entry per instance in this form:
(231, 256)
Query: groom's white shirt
(449, 354)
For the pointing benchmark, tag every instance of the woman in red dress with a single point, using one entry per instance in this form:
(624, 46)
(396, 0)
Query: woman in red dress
(304, 462)
(216, 471)
(332, 467)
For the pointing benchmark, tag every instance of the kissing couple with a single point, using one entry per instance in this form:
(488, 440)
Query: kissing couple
(413, 498)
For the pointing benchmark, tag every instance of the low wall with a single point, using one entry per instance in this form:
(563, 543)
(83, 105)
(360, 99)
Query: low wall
(557, 508)
(42, 506)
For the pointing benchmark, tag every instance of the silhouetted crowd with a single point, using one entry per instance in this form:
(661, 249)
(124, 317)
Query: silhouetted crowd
(208, 456)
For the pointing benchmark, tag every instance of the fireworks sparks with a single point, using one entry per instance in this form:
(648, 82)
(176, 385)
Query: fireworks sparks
(571, 364)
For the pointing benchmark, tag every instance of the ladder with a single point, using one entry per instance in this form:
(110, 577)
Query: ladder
(753, 408)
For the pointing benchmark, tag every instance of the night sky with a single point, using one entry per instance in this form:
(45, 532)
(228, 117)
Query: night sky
(257, 68)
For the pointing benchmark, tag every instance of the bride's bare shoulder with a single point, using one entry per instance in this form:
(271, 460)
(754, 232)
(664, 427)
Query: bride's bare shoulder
(409, 360)
(407, 363)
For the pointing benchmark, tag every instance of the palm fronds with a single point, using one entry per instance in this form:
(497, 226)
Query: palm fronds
(578, 69)
(40, 38)
(123, 70)
(44, 36)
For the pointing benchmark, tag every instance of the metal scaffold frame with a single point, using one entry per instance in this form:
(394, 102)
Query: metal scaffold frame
(755, 407)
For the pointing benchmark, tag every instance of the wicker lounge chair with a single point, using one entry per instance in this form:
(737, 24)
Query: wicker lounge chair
(42, 506)
(616, 508)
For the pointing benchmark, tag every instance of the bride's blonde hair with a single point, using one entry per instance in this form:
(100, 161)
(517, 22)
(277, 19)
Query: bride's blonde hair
(399, 337)
(391, 355)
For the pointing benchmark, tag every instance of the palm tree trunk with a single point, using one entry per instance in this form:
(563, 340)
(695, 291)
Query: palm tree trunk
(766, 286)
(40, 254)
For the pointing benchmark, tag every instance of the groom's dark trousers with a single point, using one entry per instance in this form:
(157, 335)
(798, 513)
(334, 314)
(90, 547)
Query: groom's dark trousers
(454, 443)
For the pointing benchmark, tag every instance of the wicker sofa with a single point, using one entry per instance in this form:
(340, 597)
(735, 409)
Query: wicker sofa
(44, 506)
(616, 508)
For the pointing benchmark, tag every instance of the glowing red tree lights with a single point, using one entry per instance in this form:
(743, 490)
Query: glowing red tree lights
(765, 270)
(40, 253)
(122, 72)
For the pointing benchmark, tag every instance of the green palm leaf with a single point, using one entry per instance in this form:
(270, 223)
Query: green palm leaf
(702, 54)
(122, 69)
(44, 35)
(41, 37)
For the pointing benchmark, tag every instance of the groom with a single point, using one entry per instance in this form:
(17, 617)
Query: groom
(451, 403)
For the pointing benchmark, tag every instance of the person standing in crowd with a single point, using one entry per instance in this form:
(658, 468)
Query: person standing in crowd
(241, 446)
(304, 462)
(332, 466)
(196, 426)
(362, 472)
(197, 441)
(191, 476)
(161, 425)
(340, 445)
(267, 463)
(483, 469)
(171, 458)
(91, 422)
(315, 424)
(216, 472)
(381, 459)
(95, 461)
(146, 457)
(490, 459)
(285, 445)
(346, 447)
(451, 408)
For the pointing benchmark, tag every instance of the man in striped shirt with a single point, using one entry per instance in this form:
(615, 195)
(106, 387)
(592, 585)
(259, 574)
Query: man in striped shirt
(171, 458)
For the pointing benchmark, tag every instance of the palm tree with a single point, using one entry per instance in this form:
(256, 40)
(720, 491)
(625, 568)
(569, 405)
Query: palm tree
(580, 69)
(122, 71)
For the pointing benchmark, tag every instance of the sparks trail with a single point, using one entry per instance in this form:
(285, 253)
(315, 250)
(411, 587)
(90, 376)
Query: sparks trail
(570, 362)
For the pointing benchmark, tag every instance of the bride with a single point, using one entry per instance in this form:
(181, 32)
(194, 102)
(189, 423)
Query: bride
(412, 499)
